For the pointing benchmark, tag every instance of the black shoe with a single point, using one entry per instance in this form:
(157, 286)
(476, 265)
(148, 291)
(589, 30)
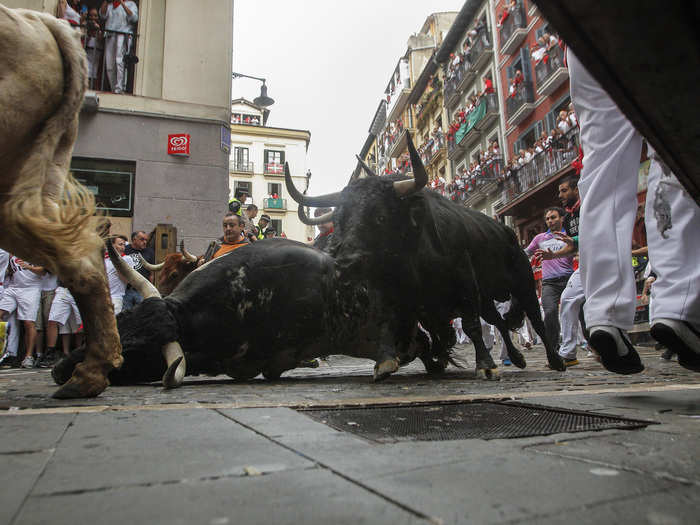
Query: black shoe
(46, 361)
(607, 341)
(9, 361)
(681, 339)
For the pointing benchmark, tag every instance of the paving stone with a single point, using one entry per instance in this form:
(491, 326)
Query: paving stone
(313, 496)
(18, 473)
(22, 433)
(112, 449)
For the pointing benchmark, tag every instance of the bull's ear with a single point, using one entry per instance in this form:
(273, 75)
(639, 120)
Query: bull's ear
(416, 213)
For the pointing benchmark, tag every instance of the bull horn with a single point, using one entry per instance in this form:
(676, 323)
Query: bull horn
(326, 217)
(322, 201)
(177, 368)
(404, 188)
(134, 278)
(365, 167)
(151, 267)
(187, 255)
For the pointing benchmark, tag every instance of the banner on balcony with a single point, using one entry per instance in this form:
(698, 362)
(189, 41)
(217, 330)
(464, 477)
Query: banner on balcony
(475, 116)
(179, 144)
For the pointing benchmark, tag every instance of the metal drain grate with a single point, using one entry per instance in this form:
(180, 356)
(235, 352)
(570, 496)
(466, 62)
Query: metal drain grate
(482, 420)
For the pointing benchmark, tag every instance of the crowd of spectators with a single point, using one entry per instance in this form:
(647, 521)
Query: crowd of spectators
(242, 118)
(457, 59)
(462, 113)
(487, 167)
(546, 45)
(432, 144)
(108, 32)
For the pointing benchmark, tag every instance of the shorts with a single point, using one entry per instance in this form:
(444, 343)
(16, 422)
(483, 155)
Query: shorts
(25, 300)
(45, 308)
(65, 312)
(118, 303)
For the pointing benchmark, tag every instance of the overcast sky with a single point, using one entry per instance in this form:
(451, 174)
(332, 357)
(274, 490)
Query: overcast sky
(327, 64)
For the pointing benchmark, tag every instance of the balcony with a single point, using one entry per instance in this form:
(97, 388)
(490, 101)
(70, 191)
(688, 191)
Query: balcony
(491, 171)
(275, 204)
(467, 75)
(543, 167)
(479, 119)
(454, 150)
(241, 167)
(274, 169)
(398, 99)
(451, 91)
(399, 144)
(513, 31)
(481, 51)
(521, 104)
(434, 148)
(550, 72)
(94, 43)
(427, 104)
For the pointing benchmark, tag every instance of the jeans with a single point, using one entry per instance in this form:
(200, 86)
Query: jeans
(551, 293)
(131, 299)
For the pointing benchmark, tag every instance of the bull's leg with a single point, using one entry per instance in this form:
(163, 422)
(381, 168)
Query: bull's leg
(436, 358)
(88, 284)
(485, 367)
(524, 292)
(491, 316)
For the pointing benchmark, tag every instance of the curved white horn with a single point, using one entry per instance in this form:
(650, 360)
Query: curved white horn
(187, 255)
(151, 267)
(135, 279)
(175, 358)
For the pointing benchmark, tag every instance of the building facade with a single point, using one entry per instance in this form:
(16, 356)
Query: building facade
(536, 92)
(158, 151)
(256, 167)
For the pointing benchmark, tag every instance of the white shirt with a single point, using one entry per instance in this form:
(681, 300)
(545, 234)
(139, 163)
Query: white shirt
(117, 19)
(49, 282)
(23, 278)
(563, 126)
(71, 15)
(117, 287)
(4, 260)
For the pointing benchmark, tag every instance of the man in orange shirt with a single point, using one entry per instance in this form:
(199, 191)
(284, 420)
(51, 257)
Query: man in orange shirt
(233, 235)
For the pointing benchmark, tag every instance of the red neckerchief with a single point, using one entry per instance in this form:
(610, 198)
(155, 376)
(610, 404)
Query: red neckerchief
(116, 3)
(327, 233)
(575, 207)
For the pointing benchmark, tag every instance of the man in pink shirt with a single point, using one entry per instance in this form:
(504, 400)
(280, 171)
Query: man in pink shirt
(555, 272)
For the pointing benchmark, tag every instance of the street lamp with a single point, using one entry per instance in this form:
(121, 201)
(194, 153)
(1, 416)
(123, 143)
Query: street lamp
(263, 100)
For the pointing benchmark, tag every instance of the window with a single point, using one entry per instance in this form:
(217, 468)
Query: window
(274, 188)
(239, 158)
(276, 225)
(274, 162)
(551, 117)
(528, 138)
(241, 186)
(111, 182)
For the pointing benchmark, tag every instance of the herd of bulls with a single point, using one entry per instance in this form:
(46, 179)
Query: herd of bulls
(400, 255)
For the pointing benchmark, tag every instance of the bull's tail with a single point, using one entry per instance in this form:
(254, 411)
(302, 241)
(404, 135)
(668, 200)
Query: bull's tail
(47, 207)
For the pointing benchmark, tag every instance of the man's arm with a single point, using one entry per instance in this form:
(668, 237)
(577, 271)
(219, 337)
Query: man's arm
(567, 251)
(39, 270)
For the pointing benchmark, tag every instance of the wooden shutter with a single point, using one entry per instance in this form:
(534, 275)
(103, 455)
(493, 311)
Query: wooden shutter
(525, 62)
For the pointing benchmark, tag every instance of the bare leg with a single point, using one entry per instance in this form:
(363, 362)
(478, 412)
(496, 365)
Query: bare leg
(29, 337)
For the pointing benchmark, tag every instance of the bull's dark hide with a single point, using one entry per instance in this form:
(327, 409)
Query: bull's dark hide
(261, 308)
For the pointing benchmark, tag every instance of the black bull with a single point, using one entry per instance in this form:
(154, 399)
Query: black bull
(434, 260)
(260, 309)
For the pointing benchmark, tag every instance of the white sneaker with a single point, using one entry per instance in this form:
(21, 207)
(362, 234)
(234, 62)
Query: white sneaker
(28, 362)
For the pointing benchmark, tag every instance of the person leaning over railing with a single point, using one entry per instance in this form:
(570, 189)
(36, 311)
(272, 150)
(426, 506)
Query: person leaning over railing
(120, 17)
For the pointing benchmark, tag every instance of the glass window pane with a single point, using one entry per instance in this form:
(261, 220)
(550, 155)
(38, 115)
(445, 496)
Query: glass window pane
(111, 182)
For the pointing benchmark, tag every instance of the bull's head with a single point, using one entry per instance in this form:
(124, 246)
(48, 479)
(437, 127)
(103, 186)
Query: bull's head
(170, 348)
(174, 268)
(375, 218)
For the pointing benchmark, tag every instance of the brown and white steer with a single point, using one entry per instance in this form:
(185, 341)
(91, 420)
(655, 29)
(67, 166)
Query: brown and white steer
(45, 215)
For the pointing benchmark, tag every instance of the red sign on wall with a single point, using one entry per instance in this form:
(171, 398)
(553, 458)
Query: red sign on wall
(179, 144)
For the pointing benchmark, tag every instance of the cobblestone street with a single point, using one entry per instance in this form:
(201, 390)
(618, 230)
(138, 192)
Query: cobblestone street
(219, 452)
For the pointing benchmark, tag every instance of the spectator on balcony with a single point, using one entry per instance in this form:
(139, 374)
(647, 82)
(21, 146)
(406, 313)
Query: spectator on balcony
(120, 18)
(573, 121)
(529, 155)
(563, 122)
(539, 51)
(94, 46)
(236, 119)
(255, 121)
(71, 11)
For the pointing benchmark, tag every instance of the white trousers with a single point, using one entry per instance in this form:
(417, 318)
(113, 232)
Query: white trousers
(675, 259)
(608, 188)
(571, 299)
(115, 49)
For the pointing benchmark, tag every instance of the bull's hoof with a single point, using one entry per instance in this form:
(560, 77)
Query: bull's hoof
(62, 370)
(385, 369)
(488, 374)
(517, 358)
(556, 362)
(272, 375)
(434, 367)
(77, 388)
